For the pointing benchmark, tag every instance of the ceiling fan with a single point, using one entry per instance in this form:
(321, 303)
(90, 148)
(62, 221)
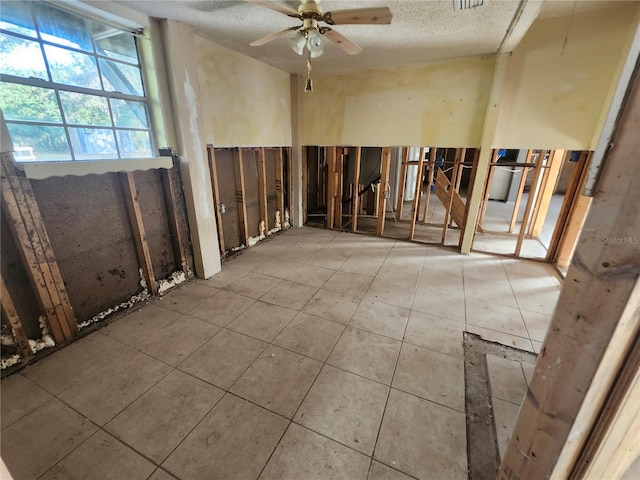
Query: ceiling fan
(310, 33)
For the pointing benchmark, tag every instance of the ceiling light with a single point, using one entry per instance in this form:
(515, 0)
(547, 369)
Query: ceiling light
(297, 42)
(314, 43)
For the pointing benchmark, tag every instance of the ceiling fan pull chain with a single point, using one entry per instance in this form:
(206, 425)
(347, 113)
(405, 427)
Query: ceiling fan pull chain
(309, 83)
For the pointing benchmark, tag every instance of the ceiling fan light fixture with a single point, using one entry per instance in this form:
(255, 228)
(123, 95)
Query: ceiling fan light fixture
(314, 43)
(297, 42)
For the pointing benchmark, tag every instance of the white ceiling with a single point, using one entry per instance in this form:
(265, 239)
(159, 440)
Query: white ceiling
(421, 30)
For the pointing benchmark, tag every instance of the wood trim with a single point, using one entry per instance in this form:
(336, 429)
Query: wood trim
(401, 183)
(240, 197)
(130, 195)
(172, 187)
(433, 155)
(384, 180)
(523, 182)
(418, 193)
(213, 172)
(35, 249)
(262, 189)
(530, 201)
(10, 313)
(356, 190)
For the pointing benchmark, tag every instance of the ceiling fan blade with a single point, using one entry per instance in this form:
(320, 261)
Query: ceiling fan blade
(347, 45)
(273, 36)
(276, 6)
(377, 16)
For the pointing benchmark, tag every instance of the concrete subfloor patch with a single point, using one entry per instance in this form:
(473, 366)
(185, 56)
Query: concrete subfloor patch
(483, 454)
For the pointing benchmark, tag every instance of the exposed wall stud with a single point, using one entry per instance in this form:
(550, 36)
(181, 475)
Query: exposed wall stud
(280, 183)
(172, 186)
(262, 189)
(240, 197)
(433, 151)
(401, 182)
(10, 313)
(418, 193)
(213, 170)
(523, 181)
(356, 190)
(530, 201)
(382, 191)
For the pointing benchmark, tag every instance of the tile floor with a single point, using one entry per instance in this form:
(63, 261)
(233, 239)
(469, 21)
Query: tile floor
(315, 354)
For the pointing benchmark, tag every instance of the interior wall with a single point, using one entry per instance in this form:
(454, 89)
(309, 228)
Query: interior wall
(244, 102)
(436, 104)
(561, 77)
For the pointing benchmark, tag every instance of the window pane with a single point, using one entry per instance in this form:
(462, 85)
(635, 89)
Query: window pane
(15, 17)
(63, 28)
(20, 102)
(118, 77)
(38, 142)
(115, 43)
(134, 143)
(81, 109)
(72, 68)
(93, 143)
(22, 58)
(129, 114)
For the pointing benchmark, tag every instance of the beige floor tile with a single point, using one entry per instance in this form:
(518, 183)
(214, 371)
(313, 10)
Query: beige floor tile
(38, 440)
(263, 321)
(380, 318)
(505, 415)
(507, 379)
(367, 354)
(20, 396)
(332, 306)
(431, 375)
(346, 283)
(538, 301)
(234, 441)
(187, 297)
(327, 259)
(270, 247)
(309, 335)
(362, 265)
(222, 309)
(496, 317)
(103, 395)
(522, 343)
(435, 333)
(303, 454)
(276, 267)
(390, 292)
(344, 407)
(253, 285)
(160, 474)
(537, 346)
(134, 327)
(224, 358)
(278, 380)
(380, 471)
(310, 275)
(488, 268)
(158, 421)
(446, 305)
(290, 294)
(537, 324)
(483, 290)
(422, 439)
(528, 369)
(104, 457)
(71, 364)
(404, 253)
(175, 342)
(226, 277)
(247, 260)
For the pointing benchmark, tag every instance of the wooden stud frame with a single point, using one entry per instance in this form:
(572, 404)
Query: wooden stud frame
(355, 205)
(530, 201)
(427, 196)
(172, 185)
(447, 214)
(523, 181)
(240, 197)
(472, 182)
(35, 249)
(339, 186)
(262, 189)
(280, 184)
(418, 193)
(331, 187)
(10, 313)
(382, 191)
(401, 183)
(556, 160)
(130, 195)
(213, 169)
(487, 187)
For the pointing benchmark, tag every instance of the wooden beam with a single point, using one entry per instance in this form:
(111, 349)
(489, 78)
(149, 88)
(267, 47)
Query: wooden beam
(433, 151)
(457, 174)
(331, 187)
(213, 171)
(262, 189)
(356, 190)
(339, 184)
(382, 191)
(556, 160)
(172, 187)
(530, 201)
(523, 181)
(130, 195)
(487, 187)
(280, 184)
(401, 182)
(240, 197)
(415, 210)
(10, 313)
(35, 250)
(472, 183)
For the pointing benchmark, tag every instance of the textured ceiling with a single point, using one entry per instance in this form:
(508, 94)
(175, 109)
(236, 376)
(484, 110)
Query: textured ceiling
(421, 30)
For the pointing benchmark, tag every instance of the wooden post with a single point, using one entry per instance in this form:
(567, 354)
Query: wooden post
(305, 186)
(556, 160)
(10, 313)
(262, 189)
(339, 184)
(456, 178)
(356, 190)
(172, 186)
(594, 326)
(130, 195)
(280, 184)
(213, 171)
(530, 201)
(35, 250)
(331, 187)
(487, 187)
(240, 196)
(472, 182)
(382, 191)
(523, 181)
(447, 214)
(401, 182)
(432, 167)
(418, 192)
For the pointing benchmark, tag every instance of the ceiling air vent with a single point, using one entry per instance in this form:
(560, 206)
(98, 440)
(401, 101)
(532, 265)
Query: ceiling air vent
(466, 4)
